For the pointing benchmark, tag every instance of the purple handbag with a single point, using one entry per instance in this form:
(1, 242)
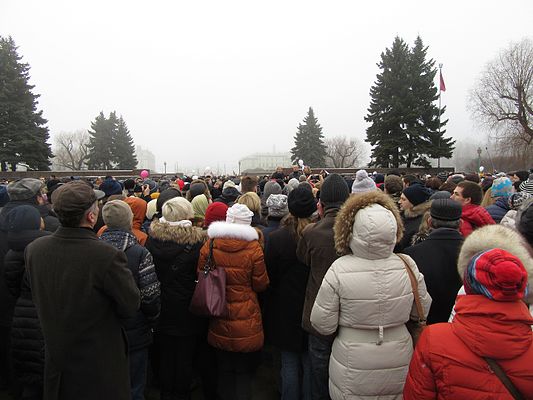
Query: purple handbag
(209, 297)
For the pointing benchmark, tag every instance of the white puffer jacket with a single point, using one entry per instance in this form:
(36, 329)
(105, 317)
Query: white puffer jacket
(367, 297)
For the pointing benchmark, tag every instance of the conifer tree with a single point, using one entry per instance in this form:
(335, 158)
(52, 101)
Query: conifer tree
(101, 142)
(124, 148)
(23, 134)
(309, 142)
(403, 117)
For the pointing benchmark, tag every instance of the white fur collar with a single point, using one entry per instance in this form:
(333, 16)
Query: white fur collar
(227, 230)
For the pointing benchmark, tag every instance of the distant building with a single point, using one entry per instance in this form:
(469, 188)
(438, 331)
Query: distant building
(145, 158)
(265, 161)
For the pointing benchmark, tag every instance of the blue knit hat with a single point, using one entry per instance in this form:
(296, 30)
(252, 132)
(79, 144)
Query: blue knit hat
(502, 187)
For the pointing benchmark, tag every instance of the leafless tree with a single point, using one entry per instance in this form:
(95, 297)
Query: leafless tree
(71, 149)
(502, 99)
(342, 152)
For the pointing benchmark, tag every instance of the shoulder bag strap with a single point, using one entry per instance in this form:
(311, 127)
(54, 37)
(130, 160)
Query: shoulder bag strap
(502, 376)
(414, 286)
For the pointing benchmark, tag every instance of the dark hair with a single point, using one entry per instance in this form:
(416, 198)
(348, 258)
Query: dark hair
(249, 184)
(448, 187)
(472, 178)
(440, 223)
(72, 220)
(522, 175)
(433, 183)
(471, 191)
(410, 179)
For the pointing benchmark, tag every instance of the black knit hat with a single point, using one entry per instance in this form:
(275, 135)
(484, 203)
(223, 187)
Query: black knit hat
(525, 224)
(302, 203)
(446, 209)
(416, 194)
(334, 190)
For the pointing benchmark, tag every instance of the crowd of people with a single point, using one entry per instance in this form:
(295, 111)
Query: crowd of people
(323, 273)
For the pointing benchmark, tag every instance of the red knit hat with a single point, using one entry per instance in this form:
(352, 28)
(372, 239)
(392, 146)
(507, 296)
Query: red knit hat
(496, 274)
(215, 212)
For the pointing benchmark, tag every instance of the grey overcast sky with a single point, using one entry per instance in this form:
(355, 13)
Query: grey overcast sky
(202, 83)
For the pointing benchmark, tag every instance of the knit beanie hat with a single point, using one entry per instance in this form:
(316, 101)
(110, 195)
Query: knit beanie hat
(293, 183)
(151, 209)
(277, 205)
(166, 195)
(23, 218)
(117, 215)
(441, 194)
(302, 203)
(227, 184)
(271, 187)
(363, 183)
(496, 274)
(229, 195)
(177, 209)
(334, 190)
(199, 205)
(110, 187)
(379, 178)
(502, 187)
(527, 186)
(196, 189)
(524, 223)
(517, 199)
(129, 185)
(416, 194)
(215, 212)
(239, 214)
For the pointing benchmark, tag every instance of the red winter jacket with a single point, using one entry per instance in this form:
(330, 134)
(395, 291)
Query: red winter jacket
(448, 363)
(473, 217)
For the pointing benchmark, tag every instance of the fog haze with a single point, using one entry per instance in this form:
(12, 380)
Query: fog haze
(206, 83)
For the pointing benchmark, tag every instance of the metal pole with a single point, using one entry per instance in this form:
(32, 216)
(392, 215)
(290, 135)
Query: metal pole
(440, 95)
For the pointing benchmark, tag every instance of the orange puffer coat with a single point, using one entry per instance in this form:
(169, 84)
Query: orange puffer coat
(448, 363)
(236, 249)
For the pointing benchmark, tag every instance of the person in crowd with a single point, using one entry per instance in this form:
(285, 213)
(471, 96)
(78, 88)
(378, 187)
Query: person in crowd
(129, 187)
(277, 209)
(199, 204)
(423, 230)
(24, 225)
(237, 337)
(365, 300)
(362, 182)
(118, 217)
(296, 172)
(316, 249)
(26, 191)
(501, 189)
(414, 202)
(229, 196)
(518, 177)
(472, 178)
(393, 186)
(515, 201)
(286, 294)
(110, 186)
(175, 246)
(409, 180)
(215, 212)
(491, 322)
(469, 195)
(138, 208)
(292, 184)
(197, 188)
(249, 184)
(433, 184)
(524, 225)
(253, 202)
(271, 187)
(436, 258)
(379, 180)
(527, 185)
(81, 322)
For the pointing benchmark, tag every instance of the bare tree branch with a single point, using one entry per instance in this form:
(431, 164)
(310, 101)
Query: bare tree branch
(343, 152)
(71, 150)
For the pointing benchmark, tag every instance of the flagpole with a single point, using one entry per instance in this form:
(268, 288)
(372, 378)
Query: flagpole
(440, 94)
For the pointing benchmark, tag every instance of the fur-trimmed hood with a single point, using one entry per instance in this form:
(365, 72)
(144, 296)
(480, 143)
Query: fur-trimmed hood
(417, 210)
(178, 234)
(226, 230)
(368, 225)
(501, 237)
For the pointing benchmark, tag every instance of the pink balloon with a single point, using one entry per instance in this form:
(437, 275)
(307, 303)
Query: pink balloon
(144, 174)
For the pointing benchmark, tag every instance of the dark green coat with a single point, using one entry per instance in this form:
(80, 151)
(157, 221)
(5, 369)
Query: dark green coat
(82, 287)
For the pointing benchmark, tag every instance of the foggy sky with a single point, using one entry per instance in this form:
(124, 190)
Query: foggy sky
(202, 83)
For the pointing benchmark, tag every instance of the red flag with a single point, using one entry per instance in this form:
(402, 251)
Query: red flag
(442, 85)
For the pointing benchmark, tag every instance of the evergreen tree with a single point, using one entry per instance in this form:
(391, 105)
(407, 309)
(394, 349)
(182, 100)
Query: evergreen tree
(404, 120)
(124, 148)
(101, 142)
(309, 142)
(23, 134)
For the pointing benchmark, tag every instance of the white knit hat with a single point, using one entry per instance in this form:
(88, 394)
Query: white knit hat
(363, 183)
(239, 214)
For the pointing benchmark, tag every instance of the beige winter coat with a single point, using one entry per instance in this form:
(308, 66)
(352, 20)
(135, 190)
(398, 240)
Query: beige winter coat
(366, 295)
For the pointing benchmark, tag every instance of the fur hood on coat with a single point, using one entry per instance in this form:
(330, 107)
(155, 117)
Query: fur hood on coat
(417, 210)
(178, 234)
(227, 230)
(497, 236)
(344, 222)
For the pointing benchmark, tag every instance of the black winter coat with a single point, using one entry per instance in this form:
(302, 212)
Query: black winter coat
(175, 251)
(27, 342)
(498, 210)
(436, 257)
(411, 223)
(286, 294)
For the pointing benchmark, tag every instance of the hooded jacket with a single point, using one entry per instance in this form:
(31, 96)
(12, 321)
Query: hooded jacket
(367, 297)
(448, 362)
(237, 249)
(474, 217)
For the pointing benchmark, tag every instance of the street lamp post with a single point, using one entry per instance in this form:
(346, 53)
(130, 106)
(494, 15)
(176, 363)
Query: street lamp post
(165, 165)
(478, 158)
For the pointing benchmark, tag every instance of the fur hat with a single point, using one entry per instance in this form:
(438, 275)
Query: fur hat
(363, 183)
(277, 205)
(24, 189)
(502, 187)
(117, 215)
(334, 190)
(446, 209)
(301, 202)
(496, 274)
(239, 214)
(215, 212)
(416, 194)
(177, 209)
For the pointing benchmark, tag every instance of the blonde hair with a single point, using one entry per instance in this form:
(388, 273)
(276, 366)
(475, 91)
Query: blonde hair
(252, 201)
(488, 200)
(177, 209)
(296, 225)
